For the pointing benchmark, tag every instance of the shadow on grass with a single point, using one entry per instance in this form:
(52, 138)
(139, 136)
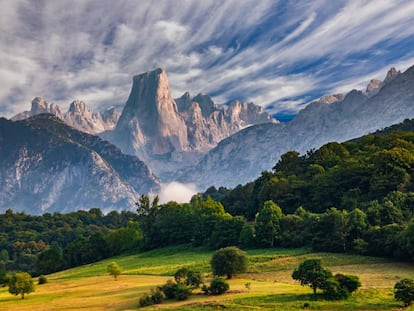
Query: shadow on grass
(279, 299)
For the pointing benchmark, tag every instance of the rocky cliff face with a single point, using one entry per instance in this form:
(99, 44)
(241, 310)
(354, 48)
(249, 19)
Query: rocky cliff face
(47, 166)
(78, 116)
(171, 134)
(243, 156)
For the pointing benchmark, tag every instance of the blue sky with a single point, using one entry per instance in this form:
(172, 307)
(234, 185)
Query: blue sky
(277, 54)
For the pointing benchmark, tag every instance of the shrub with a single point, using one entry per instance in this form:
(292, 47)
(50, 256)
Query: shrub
(182, 292)
(229, 261)
(157, 296)
(188, 277)
(341, 286)
(404, 291)
(334, 291)
(217, 286)
(194, 279)
(42, 280)
(350, 282)
(145, 301)
(169, 289)
(181, 276)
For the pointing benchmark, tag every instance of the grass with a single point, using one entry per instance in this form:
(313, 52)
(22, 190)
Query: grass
(271, 287)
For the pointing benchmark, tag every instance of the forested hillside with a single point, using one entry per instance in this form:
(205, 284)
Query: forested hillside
(355, 197)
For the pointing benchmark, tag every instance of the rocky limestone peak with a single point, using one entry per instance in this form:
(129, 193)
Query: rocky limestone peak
(373, 87)
(248, 113)
(110, 115)
(55, 110)
(391, 74)
(184, 102)
(77, 106)
(206, 104)
(151, 107)
(329, 99)
(39, 105)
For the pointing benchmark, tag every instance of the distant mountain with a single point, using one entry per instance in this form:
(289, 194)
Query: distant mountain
(243, 156)
(170, 134)
(48, 166)
(78, 116)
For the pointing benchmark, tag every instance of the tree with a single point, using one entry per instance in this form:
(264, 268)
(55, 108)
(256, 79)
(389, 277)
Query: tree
(311, 272)
(404, 291)
(21, 283)
(229, 261)
(50, 260)
(114, 269)
(268, 223)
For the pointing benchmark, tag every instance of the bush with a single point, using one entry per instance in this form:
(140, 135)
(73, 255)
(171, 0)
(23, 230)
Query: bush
(187, 277)
(404, 291)
(350, 282)
(42, 280)
(145, 301)
(229, 261)
(177, 291)
(182, 292)
(169, 289)
(333, 290)
(217, 286)
(194, 279)
(341, 286)
(181, 276)
(157, 296)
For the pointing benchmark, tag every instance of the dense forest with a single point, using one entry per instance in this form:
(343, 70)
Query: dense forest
(356, 196)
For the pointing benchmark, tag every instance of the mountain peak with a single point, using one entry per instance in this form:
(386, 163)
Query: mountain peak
(391, 74)
(39, 105)
(77, 106)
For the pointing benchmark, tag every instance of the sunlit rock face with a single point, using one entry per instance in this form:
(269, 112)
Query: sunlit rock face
(170, 134)
(78, 115)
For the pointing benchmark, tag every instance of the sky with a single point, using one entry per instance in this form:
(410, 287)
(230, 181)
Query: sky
(280, 55)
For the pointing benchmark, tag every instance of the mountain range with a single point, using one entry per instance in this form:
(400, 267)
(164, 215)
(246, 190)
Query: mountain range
(52, 162)
(243, 156)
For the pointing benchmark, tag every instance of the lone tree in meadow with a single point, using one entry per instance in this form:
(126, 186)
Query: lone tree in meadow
(404, 291)
(21, 283)
(114, 269)
(311, 272)
(229, 261)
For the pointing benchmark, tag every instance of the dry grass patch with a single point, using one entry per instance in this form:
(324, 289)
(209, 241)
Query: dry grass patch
(90, 293)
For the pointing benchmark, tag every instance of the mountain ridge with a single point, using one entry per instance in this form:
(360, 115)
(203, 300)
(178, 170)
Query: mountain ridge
(48, 166)
(243, 156)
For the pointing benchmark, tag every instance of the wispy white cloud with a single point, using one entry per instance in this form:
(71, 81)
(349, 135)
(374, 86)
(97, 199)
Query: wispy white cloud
(275, 53)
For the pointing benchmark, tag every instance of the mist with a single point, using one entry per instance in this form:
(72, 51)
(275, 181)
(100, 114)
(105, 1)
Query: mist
(178, 192)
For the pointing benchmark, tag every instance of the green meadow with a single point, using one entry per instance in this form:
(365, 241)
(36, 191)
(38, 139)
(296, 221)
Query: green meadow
(266, 286)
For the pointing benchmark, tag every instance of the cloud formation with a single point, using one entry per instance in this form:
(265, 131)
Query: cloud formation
(278, 54)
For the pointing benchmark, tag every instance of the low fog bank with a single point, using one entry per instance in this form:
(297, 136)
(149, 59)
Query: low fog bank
(178, 192)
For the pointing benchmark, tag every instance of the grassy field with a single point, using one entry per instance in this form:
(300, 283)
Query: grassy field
(269, 276)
